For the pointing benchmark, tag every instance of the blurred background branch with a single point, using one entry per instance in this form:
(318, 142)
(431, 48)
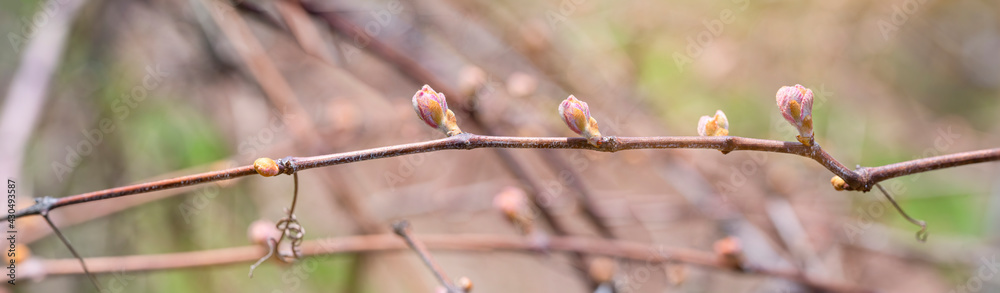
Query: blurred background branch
(140, 90)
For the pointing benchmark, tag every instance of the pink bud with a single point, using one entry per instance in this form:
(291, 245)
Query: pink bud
(512, 201)
(717, 125)
(432, 108)
(576, 114)
(795, 104)
(260, 230)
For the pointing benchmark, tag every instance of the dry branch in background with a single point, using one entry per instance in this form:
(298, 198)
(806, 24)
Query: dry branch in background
(633, 251)
(794, 104)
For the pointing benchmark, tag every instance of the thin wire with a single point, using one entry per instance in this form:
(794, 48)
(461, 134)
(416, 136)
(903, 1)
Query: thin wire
(922, 233)
(73, 251)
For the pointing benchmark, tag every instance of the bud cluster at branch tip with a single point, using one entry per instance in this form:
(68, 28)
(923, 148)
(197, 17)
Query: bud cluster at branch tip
(432, 108)
(576, 114)
(795, 103)
(717, 125)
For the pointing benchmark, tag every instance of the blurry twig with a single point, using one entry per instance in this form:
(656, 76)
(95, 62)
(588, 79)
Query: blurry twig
(301, 26)
(653, 254)
(72, 250)
(29, 85)
(402, 228)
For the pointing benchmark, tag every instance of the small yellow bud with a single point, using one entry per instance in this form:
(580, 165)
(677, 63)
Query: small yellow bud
(717, 125)
(838, 183)
(266, 167)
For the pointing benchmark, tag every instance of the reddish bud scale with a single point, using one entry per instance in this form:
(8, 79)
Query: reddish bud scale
(432, 108)
(795, 104)
(576, 115)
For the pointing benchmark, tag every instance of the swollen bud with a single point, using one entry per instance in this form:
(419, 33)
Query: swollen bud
(432, 108)
(795, 103)
(266, 167)
(602, 269)
(714, 126)
(838, 183)
(576, 114)
(261, 230)
(513, 202)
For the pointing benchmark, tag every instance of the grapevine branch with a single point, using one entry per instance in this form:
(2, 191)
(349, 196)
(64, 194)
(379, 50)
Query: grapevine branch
(640, 252)
(862, 179)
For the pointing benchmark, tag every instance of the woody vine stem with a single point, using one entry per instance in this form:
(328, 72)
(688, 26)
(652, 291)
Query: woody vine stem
(794, 103)
(861, 179)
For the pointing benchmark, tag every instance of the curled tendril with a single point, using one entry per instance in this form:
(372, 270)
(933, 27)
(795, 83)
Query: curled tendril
(294, 231)
(289, 225)
(270, 251)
